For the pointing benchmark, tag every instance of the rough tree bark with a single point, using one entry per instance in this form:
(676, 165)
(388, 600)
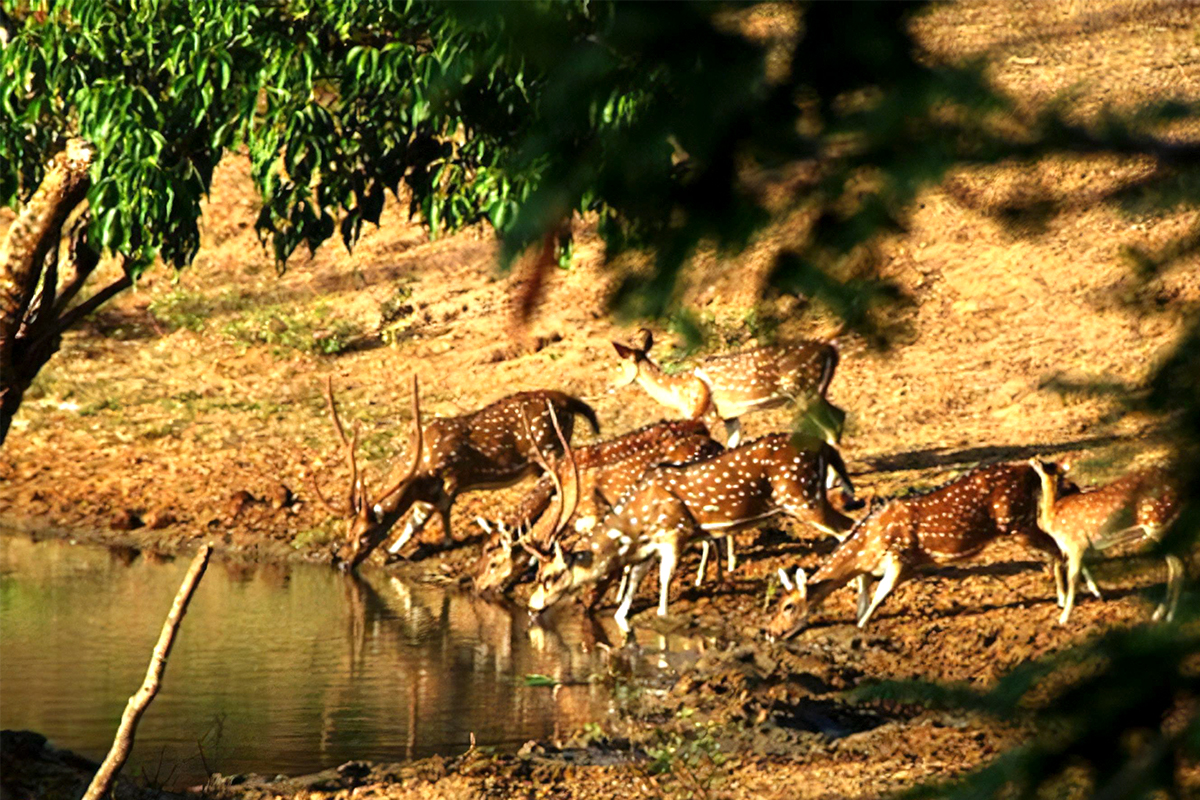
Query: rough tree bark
(123, 741)
(32, 322)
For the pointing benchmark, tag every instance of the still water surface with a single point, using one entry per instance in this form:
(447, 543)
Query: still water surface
(277, 668)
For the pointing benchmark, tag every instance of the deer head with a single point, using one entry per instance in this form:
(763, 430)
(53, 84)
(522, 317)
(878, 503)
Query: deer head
(792, 615)
(633, 356)
(555, 579)
(498, 563)
(366, 527)
(557, 574)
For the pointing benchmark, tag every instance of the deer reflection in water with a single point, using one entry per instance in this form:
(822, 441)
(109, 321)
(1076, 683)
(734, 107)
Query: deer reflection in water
(437, 657)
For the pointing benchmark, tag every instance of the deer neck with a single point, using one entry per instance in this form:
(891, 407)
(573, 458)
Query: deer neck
(669, 390)
(861, 554)
(395, 506)
(1048, 498)
(819, 590)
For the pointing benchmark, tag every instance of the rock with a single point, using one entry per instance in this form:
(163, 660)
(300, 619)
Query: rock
(684, 685)
(279, 496)
(157, 520)
(237, 502)
(125, 520)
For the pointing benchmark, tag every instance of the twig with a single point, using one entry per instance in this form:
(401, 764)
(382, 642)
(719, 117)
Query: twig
(139, 702)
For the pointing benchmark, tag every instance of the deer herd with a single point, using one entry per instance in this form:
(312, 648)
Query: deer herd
(601, 514)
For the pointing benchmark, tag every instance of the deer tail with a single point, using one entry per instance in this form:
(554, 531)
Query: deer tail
(577, 406)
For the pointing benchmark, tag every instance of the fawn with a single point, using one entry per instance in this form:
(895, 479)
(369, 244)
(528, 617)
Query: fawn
(486, 449)
(946, 524)
(738, 383)
(674, 504)
(1136, 506)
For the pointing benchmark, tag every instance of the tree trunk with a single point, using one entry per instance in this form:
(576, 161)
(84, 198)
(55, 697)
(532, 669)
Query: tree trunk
(29, 330)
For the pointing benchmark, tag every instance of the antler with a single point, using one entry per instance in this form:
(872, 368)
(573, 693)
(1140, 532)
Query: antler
(354, 492)
(568, 506)
(416, 444)
(357, 498)
(540, 458)
(568, 500)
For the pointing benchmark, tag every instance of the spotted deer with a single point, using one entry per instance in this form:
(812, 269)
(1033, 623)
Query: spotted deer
(487, 449)
(1135, 507)
(731, 385)
(950, 523)
(673, 505)
(610, 468)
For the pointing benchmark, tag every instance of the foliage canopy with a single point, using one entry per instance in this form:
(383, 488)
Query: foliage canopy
(664, 121)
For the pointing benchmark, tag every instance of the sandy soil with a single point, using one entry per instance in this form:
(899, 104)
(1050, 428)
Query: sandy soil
(169, 405)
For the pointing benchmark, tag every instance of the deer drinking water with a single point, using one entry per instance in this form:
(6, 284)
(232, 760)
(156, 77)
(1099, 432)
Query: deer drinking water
(673, 505)
(738, 383)
(950, 523)
(1137, 506)
(610, 468)
(487, 449)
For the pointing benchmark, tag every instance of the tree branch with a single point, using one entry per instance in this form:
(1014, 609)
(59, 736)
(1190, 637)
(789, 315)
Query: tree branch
(82, 259)
(91, 304)
(43, 309)
(123, 742)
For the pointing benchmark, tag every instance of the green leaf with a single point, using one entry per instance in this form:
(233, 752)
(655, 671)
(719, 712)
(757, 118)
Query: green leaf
(537, 679)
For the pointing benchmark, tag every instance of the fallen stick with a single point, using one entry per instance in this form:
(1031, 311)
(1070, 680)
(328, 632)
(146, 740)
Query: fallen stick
(123, 741)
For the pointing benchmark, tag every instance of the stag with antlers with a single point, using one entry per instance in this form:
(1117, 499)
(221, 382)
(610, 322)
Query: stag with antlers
(1135, 507)
(609, 468)
(734, 384)
(673, 505)
(487, 449)
(950, 523)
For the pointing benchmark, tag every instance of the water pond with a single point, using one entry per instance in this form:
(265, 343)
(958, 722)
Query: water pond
(285, 668)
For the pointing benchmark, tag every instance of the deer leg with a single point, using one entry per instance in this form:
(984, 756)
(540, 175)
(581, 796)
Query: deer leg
(733, 433)
(636, 573)
(416, 522)
(1074, 562)
(1056, 571)
(1090, 582)
(732, 559)
(864, 594)
(1166, 610)
(623, 585)
(703, 562)
(667, 558)
(443, 509)
(892, 571)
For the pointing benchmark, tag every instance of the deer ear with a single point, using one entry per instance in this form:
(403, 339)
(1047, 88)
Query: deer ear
(622, 350)
(785, 580)
(801, 583)
(647, 339)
